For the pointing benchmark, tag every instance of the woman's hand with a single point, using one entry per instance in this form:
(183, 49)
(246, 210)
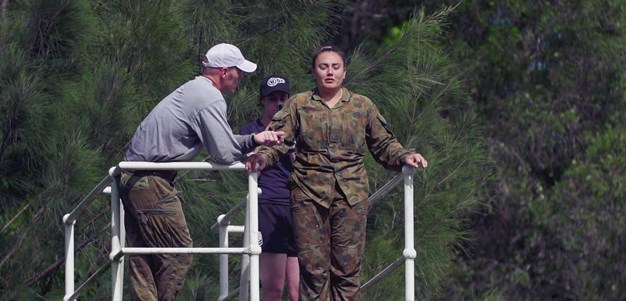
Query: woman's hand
(415, 160)
(255, 163)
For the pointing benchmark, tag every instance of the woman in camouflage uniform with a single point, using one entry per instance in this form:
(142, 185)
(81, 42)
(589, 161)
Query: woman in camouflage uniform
(332, 127)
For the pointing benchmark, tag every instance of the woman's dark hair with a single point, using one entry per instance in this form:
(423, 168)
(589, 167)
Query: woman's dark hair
(327, 49)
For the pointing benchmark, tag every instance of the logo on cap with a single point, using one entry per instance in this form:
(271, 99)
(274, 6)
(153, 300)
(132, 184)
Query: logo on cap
(273, 81)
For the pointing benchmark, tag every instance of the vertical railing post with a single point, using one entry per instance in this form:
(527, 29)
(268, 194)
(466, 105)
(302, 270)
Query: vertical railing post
(69, 257)
(117, 264)
(244, 278)
(255, 249)
(223, 243)
(251, 251)
(409, 252)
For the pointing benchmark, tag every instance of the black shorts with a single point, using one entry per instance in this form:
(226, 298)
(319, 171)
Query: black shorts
(276, 229)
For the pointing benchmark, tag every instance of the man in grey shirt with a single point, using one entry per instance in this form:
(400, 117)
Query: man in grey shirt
(185, 121)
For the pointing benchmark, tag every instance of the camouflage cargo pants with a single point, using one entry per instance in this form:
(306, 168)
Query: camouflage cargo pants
(330, 247)
(154, 218)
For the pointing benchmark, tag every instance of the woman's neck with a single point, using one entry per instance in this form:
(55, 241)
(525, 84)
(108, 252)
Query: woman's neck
(331, 97)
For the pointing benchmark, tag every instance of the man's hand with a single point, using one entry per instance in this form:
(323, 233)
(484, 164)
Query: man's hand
(269, 138)
(255, 163)
(415, 160)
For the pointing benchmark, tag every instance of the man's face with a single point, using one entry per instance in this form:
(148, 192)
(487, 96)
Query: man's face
(231, 80)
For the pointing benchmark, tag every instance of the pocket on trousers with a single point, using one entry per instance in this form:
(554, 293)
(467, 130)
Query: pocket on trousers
(307, 225)
(167, 205)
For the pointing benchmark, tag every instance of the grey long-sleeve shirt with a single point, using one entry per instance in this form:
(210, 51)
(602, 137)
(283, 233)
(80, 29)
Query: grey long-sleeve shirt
(192, 116)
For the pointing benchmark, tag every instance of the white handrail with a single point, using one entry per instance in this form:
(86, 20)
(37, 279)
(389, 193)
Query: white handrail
(409, 252)
(249, 286)
(118, 249)
(118, 238)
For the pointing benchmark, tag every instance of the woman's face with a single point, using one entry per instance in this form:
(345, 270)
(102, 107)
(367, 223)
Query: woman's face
(329, 71)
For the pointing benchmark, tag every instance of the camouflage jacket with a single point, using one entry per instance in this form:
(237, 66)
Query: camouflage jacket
(331, 144)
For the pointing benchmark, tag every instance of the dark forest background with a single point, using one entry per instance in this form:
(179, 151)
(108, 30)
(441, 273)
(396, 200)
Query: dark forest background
(519, 107)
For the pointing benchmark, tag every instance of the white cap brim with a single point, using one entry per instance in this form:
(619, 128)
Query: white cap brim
(247, 66)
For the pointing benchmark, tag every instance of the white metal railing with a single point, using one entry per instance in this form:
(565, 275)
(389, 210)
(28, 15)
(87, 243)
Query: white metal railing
(249, 283)
(118, 249)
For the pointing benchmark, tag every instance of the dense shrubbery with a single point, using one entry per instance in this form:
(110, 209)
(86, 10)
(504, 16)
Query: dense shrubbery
(77, 77)
(548, 82)
(545, 79)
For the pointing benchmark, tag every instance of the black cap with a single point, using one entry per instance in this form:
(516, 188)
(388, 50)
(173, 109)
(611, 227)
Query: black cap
(274, 83)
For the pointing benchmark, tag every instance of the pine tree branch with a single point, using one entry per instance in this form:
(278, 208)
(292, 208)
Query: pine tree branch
(18, 242)
(16, 246)
(57, 263)
(14, 218)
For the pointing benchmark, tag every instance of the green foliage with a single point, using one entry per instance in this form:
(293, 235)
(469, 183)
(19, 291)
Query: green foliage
(79, 76)
(22, 107)
(59, 93)
(547, 81)
(412, 83)
(588, 220)
(535, 70)
(278, 35)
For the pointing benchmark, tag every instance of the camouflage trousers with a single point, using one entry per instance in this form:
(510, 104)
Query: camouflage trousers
(330, 247)
(154, 218)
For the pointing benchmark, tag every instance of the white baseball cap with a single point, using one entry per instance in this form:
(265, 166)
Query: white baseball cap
(227, 55)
